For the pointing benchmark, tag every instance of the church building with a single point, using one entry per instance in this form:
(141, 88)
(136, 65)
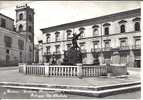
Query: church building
(17, 37)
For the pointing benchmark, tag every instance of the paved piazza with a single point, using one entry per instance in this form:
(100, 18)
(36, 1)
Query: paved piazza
(12, 75)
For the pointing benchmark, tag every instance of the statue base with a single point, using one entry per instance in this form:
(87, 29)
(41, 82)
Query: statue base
(72, 56)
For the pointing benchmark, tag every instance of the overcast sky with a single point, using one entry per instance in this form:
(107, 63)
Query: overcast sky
(51, 13)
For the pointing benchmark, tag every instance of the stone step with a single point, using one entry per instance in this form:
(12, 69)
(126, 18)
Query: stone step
(87, 92)
(92, 88)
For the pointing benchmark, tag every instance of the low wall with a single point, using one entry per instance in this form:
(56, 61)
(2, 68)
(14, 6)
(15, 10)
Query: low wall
(68, 71)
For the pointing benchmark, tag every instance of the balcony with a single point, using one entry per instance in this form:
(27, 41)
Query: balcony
(95, 49)
(47, 53)
(136, 47)
(57, 53)
(124, 48)
(107, 49)
(83, 50)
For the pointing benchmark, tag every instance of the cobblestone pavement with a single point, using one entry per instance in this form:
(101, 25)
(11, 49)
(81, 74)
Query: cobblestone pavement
(14, 76)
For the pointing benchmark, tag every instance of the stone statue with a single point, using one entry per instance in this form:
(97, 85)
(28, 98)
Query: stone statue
(73, 55)
(74, 40)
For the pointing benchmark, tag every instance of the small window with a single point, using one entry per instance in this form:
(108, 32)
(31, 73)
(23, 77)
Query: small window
(96, 45)
(20, 28)
(137, 26)
(3, 23)
(69, 46)
(95, 32)
(21, 44)
(69, 34)
(20, 16)
(30, 29)
(57, 36)
(122, 43)
(48, 49)
(106, 31)
(137, 42)
(8, 41)
(107, 44)
(122, 28)
(30, 18)
(7, 51)
(57, 48)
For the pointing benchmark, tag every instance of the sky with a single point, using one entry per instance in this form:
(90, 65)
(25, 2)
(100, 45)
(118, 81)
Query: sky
(51, 13)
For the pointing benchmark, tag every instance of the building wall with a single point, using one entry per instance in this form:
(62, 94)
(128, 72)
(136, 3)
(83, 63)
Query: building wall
(114, 36)
(14, 55)
(9, 22)
(14, 51)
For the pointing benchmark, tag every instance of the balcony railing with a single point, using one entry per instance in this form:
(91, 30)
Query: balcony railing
(47, 53)
(136, 47)
(56, 52)
(83, 50)
(124, 48)
(95, 49)
(107, 49)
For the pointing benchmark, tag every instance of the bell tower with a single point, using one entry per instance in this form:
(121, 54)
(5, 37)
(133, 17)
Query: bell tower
(25, 26)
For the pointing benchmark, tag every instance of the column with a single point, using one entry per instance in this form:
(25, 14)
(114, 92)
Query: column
(131, 59)
(101, 58)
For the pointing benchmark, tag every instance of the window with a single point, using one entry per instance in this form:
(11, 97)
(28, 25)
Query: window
(30, 38)
(7, 51)
(122, 28)
(30, 49)
(48, 38)
(137, 26)
(20, 56)
(20, 28)
(30, 17)
(57, 34)
(48, 49)
(95, 30)
(81, 31)
(107, 44)
(122, 43)
(8, 41)
(30, 29)
(106, 30)
(20, 16)
(137, 42)
(3, 23)
(21, 44)
(69, 46)
(96, 45)
(57, 48)
(69, 34)
(82, 45)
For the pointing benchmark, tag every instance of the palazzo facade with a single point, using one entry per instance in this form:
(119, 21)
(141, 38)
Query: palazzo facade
(113, 38)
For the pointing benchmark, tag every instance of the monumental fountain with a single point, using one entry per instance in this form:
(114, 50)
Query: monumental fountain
(72, 65)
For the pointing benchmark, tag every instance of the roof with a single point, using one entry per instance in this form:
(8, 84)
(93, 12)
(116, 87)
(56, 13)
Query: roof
(93, 21)
(6, 16)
